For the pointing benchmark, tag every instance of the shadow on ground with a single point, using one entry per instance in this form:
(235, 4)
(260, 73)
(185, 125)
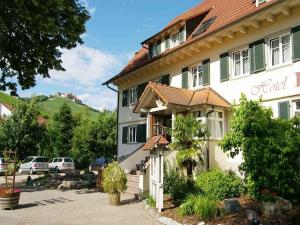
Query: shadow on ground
(51, 201)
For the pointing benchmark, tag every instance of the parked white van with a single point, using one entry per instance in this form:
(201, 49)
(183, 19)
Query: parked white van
(61, 164)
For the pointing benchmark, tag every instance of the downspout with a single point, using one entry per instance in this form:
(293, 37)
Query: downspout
(107, 85)
(207, 148)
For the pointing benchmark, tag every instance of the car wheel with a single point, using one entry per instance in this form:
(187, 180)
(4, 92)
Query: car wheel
(31, 171)
(20, 171)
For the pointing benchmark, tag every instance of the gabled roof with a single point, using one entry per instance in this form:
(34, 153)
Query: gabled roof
(227, 13)
(154, 141)
(182, 97)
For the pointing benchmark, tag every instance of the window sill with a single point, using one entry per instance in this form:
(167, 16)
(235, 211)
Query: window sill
(239, 76)
(198, 88)
(282, 65)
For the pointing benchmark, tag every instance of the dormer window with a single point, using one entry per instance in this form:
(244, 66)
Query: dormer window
(258, 2)
(178, 37)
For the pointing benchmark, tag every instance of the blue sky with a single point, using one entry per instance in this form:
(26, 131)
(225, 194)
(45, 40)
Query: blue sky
(114, 33)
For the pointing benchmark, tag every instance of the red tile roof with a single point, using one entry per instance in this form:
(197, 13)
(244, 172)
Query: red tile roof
(183, 97)
(154, 141)
(227, 12)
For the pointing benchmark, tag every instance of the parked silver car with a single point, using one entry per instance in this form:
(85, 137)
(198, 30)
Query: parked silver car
(2, 165)
(33, 164)
(61, 164)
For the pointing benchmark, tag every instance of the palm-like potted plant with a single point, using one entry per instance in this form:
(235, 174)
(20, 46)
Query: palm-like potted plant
(9, 195)
(114, 182)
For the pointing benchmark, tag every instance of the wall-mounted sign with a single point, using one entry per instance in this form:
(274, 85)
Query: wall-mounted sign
(269, 86)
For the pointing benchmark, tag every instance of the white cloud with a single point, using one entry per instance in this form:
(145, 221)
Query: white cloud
(105, 99)
(85, 66)
(92, 10)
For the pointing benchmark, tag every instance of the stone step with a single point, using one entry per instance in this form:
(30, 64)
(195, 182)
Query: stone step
(133, 178)
(132, 184)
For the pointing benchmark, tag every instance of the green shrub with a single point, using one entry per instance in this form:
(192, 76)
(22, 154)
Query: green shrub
(176, 185)
(219, 185)
(150, 201)
(114, 179)
(202, 206)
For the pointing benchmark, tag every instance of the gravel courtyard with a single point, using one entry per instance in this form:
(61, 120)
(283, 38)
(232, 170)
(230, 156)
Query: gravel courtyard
(73, 207)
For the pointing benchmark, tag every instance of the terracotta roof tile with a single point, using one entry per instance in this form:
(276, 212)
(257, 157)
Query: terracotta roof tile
(184, 97)
(154, 141)
(227, 12)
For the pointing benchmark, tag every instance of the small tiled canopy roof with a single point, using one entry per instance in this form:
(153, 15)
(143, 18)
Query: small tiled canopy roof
(183, 97)
(154, 141)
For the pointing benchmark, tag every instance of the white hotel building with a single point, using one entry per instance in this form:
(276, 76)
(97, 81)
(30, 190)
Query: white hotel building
(200, 63)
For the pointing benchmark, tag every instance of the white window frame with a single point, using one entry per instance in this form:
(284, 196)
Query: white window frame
(259, 2)
(216, 120)
(281, 63)
(132, 95)
(296, 111)
(132, 134)
(242, 72)
(199, 82)
(175, 39)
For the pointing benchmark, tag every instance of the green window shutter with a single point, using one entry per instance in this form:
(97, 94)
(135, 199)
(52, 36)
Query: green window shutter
(141, 133)
(296, 43)
(181, 35)
(284, 110)
(185, 77)
(167, 42)
(158, 47)
(125, 98)
(124, 135)
(257, 56)
(140, 89)
(165, 79)
(206, 72)
(224, 66)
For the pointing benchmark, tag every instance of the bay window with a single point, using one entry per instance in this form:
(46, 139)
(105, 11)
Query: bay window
(241, 63)
(297, 108)
(215, 125)
(280, 50)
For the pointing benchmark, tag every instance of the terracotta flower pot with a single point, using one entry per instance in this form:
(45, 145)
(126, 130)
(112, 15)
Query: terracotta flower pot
(9, 200)
(114, 199)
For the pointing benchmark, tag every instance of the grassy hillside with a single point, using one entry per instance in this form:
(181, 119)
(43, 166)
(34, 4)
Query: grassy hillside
(7, 99)
(52, 105)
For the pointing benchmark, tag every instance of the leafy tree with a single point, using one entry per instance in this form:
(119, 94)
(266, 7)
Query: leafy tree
(61, 131)
(21, 131)
(269, 147)
(188, 136)
(93, 139)
(32, 36)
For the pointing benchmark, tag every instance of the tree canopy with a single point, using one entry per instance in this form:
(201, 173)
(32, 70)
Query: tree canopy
(32, 36)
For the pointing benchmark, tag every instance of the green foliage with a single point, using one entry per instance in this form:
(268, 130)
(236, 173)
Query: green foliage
(7, 99)
(219, 185)
(114, 179)
(33, 35)
(150, 201)
(269, 147)
(93, 139)
(61, 131)
(188, 136)
(21, 131)
(52, 106)
(202, 206)
(176, 185)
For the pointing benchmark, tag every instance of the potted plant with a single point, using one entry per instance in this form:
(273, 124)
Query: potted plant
(114, 182)
(9, 195)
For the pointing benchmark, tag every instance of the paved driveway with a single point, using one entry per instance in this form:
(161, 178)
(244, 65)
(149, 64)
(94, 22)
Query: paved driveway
(75, 207)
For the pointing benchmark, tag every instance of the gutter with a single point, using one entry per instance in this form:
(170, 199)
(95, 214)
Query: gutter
(107, 85)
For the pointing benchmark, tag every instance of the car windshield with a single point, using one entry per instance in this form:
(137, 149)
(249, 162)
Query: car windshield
(40, 159)
(68, 160)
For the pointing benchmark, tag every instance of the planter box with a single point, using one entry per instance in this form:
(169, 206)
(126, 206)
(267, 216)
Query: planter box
(114, 199)
(9, 200)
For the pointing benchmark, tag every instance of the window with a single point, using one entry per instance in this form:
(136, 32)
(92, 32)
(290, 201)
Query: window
(204, 26)
(280, 50)
(216, 125)
(297, 108)
(258, 2)
(133, 95)
(197, 73)
(132, 134)
(241, 63)
(199, 115)
(176, 39)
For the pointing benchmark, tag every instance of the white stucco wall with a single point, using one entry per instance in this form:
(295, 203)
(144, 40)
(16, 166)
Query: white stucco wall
(273, 85)
(4, 111)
